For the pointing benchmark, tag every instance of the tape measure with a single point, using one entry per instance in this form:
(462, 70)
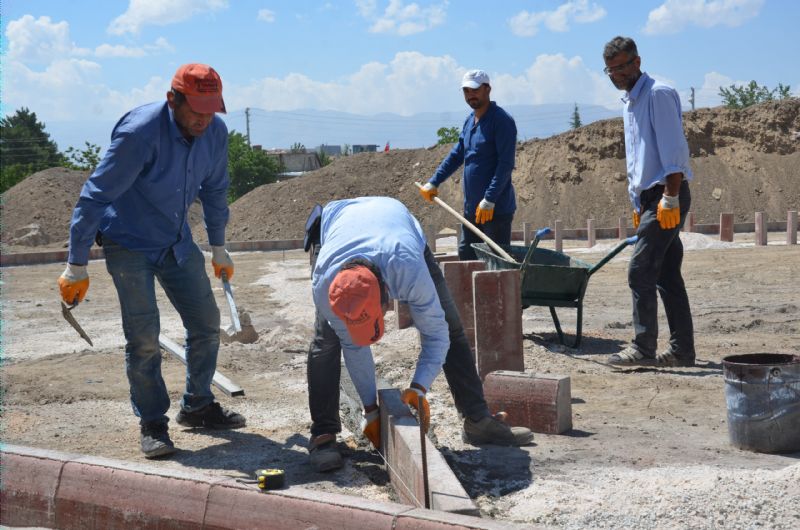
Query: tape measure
(270, 479)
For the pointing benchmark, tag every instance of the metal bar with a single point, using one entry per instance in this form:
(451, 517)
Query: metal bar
(237, 326)
(220, 381)
(424, 451)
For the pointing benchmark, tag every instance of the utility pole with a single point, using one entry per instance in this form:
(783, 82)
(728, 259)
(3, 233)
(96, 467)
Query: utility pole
(691, 99)
(247, 120)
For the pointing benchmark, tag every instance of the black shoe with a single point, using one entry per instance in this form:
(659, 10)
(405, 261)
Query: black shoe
(212, 416)
(155, 440)
(324, 454)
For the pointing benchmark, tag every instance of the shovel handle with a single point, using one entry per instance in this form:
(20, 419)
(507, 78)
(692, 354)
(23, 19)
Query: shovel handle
(494, 246)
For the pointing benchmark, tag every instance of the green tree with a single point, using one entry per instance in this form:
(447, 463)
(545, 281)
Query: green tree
(448, 135)
(248, 168)
(297, 147)
(575, 120)
(85, 159)
(25, 148)
(740, 97)
(324, 158)
(346, 150)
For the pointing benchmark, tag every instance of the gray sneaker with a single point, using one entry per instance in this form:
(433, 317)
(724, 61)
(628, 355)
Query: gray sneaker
(324, 454)
(155, 439)
(495, 431)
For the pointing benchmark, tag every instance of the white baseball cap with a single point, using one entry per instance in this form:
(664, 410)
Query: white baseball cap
(474, 79)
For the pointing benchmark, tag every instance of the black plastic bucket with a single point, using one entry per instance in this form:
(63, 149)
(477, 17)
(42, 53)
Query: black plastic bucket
(762, 392)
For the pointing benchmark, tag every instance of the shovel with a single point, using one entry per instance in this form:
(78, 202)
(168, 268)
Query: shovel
(66, 312)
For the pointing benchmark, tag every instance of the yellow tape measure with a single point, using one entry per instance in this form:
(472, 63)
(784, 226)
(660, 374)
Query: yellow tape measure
(270, 479)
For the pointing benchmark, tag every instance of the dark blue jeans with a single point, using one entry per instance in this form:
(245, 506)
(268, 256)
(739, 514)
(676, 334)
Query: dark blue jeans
(189, 290)
(656, 267)
(324, 365)
(498, 230)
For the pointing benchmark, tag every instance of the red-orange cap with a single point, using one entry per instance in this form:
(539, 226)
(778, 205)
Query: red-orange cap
(202, 87)
(355, 297)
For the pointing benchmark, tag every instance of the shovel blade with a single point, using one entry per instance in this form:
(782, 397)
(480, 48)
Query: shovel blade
(66, 312)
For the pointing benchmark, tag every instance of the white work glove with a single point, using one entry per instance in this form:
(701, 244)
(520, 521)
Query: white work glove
(221, 261)
(428, 191)
(73, 283)
(669, 212)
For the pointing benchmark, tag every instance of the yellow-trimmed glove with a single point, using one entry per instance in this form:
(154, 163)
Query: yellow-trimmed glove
(371, 427)
(73, 284)
(221, 261)
(411, 397)
(669, 212)
(636, 218)
(484, 212)
(429, 191)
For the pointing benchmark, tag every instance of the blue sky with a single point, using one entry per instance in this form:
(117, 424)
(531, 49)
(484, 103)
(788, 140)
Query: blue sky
(81, 64)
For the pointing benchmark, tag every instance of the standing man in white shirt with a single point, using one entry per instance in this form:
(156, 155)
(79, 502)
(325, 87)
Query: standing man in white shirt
(658, 183)
(372, 250)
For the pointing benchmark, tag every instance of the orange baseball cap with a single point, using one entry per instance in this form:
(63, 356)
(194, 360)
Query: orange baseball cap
(355, 297)
(202, 87)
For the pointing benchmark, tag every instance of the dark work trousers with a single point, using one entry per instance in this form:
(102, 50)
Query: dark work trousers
(498, 230)
(656, 266)
(324, 365)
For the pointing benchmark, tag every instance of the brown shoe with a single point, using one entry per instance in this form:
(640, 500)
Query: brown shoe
(495, 431)
(324, 453)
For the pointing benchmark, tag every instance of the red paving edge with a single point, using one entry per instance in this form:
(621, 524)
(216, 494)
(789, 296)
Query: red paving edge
(51, 489)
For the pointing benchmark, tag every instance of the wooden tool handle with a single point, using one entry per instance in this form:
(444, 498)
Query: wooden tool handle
(494, 246)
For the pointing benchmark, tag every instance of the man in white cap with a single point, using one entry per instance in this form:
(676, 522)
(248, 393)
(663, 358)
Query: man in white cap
(162, 156)
(486, 147)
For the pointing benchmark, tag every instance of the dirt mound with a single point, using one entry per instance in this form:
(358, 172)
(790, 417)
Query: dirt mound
(744, 161)
(36, 212)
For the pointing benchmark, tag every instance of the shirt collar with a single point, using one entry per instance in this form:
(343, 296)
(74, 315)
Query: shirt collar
(173, 125)
(637, 88)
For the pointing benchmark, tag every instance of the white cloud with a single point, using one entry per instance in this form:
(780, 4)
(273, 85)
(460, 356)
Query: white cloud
(402, 19)
(674, 15)
(266, 15)
(526, 24)
(39, 41)
(160, 13)
(118, 50)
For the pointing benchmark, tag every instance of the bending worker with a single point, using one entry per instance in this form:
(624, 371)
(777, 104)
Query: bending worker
(486, 147)
(162, 156)
(373, 250)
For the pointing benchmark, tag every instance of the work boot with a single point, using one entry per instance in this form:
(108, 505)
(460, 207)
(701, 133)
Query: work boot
(324, 454)
(211, 416)
(155, 439)
(494, 430)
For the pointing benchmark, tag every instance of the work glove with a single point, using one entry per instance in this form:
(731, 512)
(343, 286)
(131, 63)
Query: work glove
(222, 262)
(412, 397)
(73, 283)
(429, 191)
(669, 212)
(371, 427)
(636, 219)
(484, 212)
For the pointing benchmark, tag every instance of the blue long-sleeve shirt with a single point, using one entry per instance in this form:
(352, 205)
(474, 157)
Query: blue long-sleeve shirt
(487, 150)
(655, 145)
(383, 231)
(139, 195)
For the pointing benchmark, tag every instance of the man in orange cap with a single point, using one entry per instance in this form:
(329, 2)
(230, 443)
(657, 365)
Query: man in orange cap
(372, 250)
(162, 157)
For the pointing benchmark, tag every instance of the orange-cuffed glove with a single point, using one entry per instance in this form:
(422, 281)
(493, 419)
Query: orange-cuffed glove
(636, 218)
(429, 191)
(669, 212)
(371, 427)
(484, 212)
(415, 398)
(221, 261)
(73, 284)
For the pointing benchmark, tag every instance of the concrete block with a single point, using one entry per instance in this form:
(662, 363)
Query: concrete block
(497, 298)
(761, 229)
(558, 230)
(27, 497)
(402, 449)
(540, 402)
(726, 227)
(403, 315)
(527, 233)
(791, 227)
(591, 235)
(108, 498)
(622, 228)
(688, 226)
(458, 276)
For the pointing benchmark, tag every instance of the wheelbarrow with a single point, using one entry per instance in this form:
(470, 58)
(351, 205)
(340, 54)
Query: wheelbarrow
(549, 278)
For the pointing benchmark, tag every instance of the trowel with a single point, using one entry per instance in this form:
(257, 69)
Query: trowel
(66, 311)
(236, 326)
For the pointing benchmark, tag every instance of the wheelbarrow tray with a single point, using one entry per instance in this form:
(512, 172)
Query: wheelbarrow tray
(548, 278)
